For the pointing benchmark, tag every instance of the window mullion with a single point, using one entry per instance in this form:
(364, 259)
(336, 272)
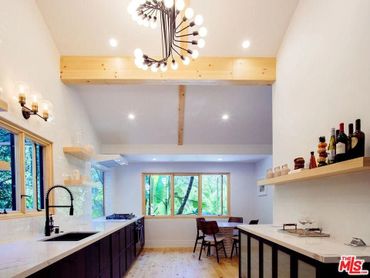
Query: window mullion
(34, 175)
(172, 191)
(200, 177)
(21, 168)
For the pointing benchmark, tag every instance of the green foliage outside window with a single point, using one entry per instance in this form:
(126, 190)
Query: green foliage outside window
(214, 195)
(97, 177)
(6, 180)
(186, 195)
(186, 199)
(157, 194)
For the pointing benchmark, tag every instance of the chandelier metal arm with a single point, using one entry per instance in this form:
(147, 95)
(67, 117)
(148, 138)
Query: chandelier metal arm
(177, 37)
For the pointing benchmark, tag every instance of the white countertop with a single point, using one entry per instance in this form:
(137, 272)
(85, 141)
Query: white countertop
(26, 256)
(326, 250)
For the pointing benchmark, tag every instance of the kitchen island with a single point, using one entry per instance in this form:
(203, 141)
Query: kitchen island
(107, 253)
(267, 251)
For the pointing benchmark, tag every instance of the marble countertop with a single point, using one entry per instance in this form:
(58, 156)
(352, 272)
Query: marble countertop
(326, 250)
(22, 257)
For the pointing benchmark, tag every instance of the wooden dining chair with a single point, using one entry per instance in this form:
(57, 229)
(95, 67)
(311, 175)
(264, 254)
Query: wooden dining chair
(236, 219)
(210, 230)
(236, 239)
(200, 234)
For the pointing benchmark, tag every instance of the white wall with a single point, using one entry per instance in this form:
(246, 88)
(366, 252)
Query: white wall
(323, 74)
(264, 203)
(127, 197)
(28, 54)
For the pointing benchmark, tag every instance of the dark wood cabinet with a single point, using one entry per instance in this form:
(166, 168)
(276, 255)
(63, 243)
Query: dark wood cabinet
(261, 258)
(110, 257)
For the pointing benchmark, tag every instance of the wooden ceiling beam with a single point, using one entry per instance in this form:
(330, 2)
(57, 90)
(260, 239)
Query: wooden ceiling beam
(204, 70)
(181, 123)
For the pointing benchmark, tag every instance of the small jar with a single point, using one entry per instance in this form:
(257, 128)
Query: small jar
(277, 171)
(269, 173)
(285, 170)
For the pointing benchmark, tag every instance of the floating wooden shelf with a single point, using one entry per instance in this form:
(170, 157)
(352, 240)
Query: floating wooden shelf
(4, 166)
(82, 153)
(350, 166)
(83, 181)
(3, 105)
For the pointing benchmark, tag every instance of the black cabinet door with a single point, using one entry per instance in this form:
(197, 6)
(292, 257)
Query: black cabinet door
(122, 239)
(71, 266)
(122, 262)
(92, 260)
(105, 257)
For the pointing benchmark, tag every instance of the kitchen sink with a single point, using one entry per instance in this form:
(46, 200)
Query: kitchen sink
(73, 236)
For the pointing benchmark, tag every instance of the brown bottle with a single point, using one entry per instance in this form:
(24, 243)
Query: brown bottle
(341, 145)
(350, 135)
(358, 141)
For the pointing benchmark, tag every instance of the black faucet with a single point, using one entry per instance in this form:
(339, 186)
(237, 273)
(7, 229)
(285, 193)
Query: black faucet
(49, 228)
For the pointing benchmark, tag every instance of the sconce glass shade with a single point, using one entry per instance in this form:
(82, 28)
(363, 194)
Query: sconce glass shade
(23, 91)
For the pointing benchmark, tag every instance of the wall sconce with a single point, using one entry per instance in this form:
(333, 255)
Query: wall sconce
(36, 103)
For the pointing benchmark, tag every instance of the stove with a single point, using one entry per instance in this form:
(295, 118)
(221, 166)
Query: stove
(120, 216)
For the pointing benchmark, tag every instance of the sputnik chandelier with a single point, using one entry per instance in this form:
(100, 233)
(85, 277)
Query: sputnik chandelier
(181, 34)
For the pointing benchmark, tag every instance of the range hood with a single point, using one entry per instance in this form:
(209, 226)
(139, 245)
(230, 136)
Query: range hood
(110, 161)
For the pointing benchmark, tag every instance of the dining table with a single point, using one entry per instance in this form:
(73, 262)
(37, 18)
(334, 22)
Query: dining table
(227, 230)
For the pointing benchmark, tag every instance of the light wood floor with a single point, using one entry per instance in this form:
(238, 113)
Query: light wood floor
(181, 263)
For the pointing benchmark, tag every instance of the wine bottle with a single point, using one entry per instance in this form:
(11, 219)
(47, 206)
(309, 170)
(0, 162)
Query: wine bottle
(341, 146)
(358, 141)
(331, 147)
(336, 135)
(350, 135)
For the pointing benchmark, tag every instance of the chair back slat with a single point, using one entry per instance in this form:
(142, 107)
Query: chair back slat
(210, 227)
(236, 219)
(199, 220)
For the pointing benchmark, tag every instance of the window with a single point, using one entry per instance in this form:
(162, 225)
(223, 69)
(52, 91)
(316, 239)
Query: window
(7, 171)
(214, 195)
(97, 177)
(186, 194)
(34, 175)
(158, 194)
(25, 170)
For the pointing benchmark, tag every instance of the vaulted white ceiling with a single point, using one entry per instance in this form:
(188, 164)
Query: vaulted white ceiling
(156, 122)
(83, 27)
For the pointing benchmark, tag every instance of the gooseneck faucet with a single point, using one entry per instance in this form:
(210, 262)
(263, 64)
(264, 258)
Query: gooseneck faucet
(49, 228)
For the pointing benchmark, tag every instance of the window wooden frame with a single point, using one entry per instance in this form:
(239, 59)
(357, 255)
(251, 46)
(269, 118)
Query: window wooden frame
(172, 193)
(47, 145)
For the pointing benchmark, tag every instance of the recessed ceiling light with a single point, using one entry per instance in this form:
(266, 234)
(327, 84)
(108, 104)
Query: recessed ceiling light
(219, 159)
(225, 117)
(154, 159)
(246, 44)
(131, 116)
(113, 42)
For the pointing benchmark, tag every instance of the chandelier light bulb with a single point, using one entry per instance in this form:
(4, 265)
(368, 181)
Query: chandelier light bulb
(180, 5)
(203, 32)
(174, 65)
(146, 23)
(153, 24)
(138, 53)
(168, 4)
(145, 67)
(164, 67)
(198, 20)
(195, 54)
(139, 62)
(201, 43)
(189, 13)
(186, 61)
(154, 67)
